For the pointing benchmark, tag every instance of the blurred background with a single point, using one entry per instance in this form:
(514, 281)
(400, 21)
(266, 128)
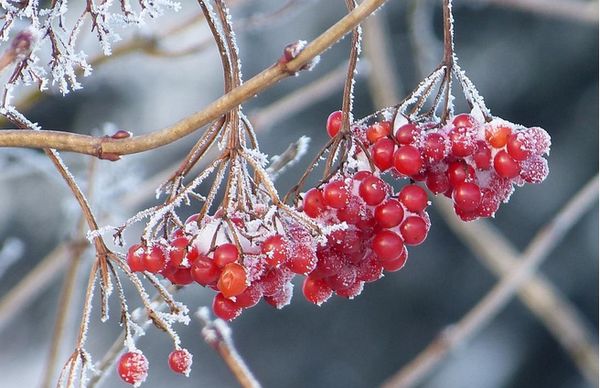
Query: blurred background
(533, 67)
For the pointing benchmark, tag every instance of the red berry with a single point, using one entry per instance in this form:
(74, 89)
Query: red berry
(154, 261)
(133, 367)
(352, 291)
(378, 131)
(180, 361)
(482, 156)
(232, 281)
(396, 264)
(334, 123)
(462, 140)
(360, 175)
(414, 230)
(464, 120)
(372, 190)
(516, 147)
(538, 140)
(335, 194)
(135, 256)
(225, 254)
(387, 245)
(369, 270)
(382, 153)
(250, 297)
(407, 160)
(389, 214)
(302, 260)
(434, 147)
(490, 202)
(316, 290)
(204, 271)
(178, 250)
(224, 308)
(459, 172)
(313, 204)
(534, 169)
(352, 211)
(505, 165)
(273, 280)
(497, 136)
(406, 134)
(414, 198)
(180, 276)
(274, 247)
(437, 182)
(466, 196)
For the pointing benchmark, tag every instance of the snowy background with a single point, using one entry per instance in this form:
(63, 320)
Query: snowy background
(533, 69)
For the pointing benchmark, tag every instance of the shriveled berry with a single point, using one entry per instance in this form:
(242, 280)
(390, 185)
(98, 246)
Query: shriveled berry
(180, 361)
(497, 135)
(133, 368)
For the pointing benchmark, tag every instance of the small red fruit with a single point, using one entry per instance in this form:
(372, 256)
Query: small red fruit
(335, 194)
(497, 136)
(406, 134)
(389, 214)
(334, 123)
(204, 271)
(387, 245)
(378, 131)
(135, 256)
(372, 190)
(133, 367)
(414, 230)
(180, 361)
(316, 290)
(274, 247)
(225, 254)
(154, 261)
(466, 196)
(505, 165)
(516, 147)
(224, 308)
(414, 198)
(313, 203)
(407, 160)
(232, 281)
(382, 153)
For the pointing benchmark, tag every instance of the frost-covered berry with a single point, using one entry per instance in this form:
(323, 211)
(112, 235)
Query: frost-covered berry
(133, 368)
(180, 361)
(334, 123)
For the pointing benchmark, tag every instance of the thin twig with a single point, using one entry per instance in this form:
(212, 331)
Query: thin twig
(218, 335)
(112, 148)
(483, 312)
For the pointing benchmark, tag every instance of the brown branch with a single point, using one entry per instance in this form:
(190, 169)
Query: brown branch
(111, 148)
(482, 313)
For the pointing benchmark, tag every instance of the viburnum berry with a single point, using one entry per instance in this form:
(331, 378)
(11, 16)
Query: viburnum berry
(497, 136)
(334, 123)
(462, 140)
(250, 297)
(313, 203)
(482, 156)
(133, 368)
(204, 271)
(274, 247)
(467, 196)
(302, 260)
(389, 214)
(408, 160)
(135, 256)
(387, 245)
(225, 254)
(372, 190)
(413, 230)
(397, 263)
(335, 194)
(464, 120)
(406, 134)
(434, 147)
(515, 146)
(154, 261)
(414, 198)
(232, 280)
(225, 308)
(505, 165)
(180, 361)
(459, 172)
(437, 182)
(378, 130)
(316, 290)
(382, 153)
(178, 250)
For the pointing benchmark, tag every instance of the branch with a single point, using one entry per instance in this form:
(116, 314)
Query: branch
(112, 148)
(544, 241)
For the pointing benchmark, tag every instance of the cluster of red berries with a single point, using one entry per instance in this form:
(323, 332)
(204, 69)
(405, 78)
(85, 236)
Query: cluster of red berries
(378, 226)
(133, 365)
(241, 256)
(476, 163)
